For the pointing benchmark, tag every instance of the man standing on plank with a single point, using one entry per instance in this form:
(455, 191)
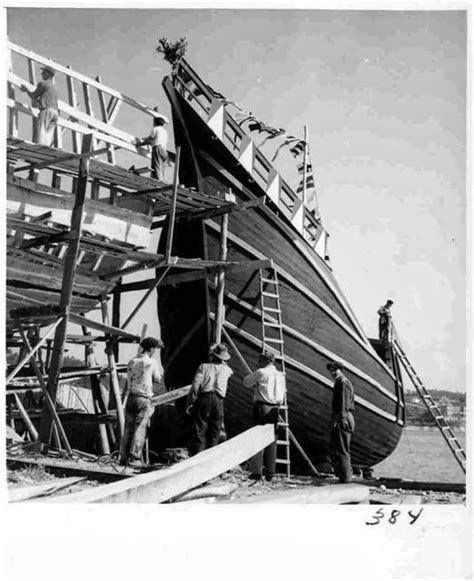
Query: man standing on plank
(45, 97)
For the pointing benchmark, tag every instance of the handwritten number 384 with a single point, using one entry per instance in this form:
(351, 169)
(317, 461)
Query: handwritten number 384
(392, 519)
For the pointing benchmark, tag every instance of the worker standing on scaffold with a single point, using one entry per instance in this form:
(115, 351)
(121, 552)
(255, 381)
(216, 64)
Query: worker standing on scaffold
(158, 139)
(45, 97)
(385, 321)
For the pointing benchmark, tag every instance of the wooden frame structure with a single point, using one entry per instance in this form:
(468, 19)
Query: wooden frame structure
(78, 224)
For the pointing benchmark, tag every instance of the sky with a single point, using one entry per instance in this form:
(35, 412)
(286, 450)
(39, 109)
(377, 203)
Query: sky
(383, 94)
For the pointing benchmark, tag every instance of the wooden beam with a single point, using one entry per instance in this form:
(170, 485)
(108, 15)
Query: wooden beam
(48, 403)
(78, 76)
(225, 209)
(25, 417)
(170, 396)
(59, 160)
(172, 216)
(23, 493)
(79, 320)
(66, 290)
(49, 239)
(161, 485)
(182, 277)
(332, 494)
(221, 280)
(113, 370)
(30, 354)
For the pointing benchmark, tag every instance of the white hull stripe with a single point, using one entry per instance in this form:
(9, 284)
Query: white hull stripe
(304, 290)
(355, 370)
(310, 372)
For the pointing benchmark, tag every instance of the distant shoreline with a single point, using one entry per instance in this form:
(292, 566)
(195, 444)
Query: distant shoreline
(456, 428)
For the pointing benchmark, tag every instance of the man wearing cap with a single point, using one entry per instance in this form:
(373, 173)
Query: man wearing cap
(385, 321)
(342, 423)
(45, 97)
(269, 393)
(205, 402)
(158, 139)
(142, 372)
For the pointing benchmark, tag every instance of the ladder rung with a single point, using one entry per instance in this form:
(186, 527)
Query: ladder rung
(274, 325)
(280, 461)
(272, 295)
(283, 425)
(283, 442)
(273, 340)
(269, 280)
(272, 310)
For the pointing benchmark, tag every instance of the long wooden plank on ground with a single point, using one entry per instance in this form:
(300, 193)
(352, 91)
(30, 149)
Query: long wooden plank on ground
(159, 486)
(329, 494)
(22, 493)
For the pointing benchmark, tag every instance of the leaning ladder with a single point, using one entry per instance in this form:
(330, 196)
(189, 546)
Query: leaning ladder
(432, 406)
(272, 337)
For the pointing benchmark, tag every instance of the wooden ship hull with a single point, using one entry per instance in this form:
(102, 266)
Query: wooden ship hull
(319, 325)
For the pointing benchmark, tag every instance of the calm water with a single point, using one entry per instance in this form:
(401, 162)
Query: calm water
(423, 454)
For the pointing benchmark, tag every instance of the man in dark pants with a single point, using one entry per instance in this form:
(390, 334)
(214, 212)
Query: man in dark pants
(342, 423)
(206, 400)
(142, 372)
(269, 393)
(385, 321)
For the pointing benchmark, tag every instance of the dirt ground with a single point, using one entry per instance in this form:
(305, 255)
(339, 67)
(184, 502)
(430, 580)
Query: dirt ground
(248, 488)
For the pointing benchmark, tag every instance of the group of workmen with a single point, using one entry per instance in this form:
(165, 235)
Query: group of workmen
(205, 404)
(45, 98)
(205, 407)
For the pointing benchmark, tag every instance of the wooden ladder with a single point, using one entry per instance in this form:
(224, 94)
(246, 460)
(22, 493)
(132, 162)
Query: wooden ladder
(445, 429)
(272, 338)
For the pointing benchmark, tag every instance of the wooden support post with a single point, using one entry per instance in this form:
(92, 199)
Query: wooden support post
(105, 119)
(32, 79)
(73, 103)
(13, 114)
(116, 303)
(67, 288)
(58, 430)
(113, 370)
(89, 359)
(219, 321)
(25, 417)
(172, 215)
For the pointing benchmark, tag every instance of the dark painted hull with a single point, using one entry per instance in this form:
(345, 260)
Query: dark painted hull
(319, 325)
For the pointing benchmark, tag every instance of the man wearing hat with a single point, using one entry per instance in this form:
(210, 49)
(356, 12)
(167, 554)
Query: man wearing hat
(385, 321)
(142, 372)
(269, 393)
(45, 98)
(206, 399)
(342, 423)
(158, 139)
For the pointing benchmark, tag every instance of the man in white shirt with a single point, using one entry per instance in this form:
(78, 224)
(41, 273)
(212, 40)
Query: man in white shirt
(158, 139)
(142, 372)
(269, 384)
